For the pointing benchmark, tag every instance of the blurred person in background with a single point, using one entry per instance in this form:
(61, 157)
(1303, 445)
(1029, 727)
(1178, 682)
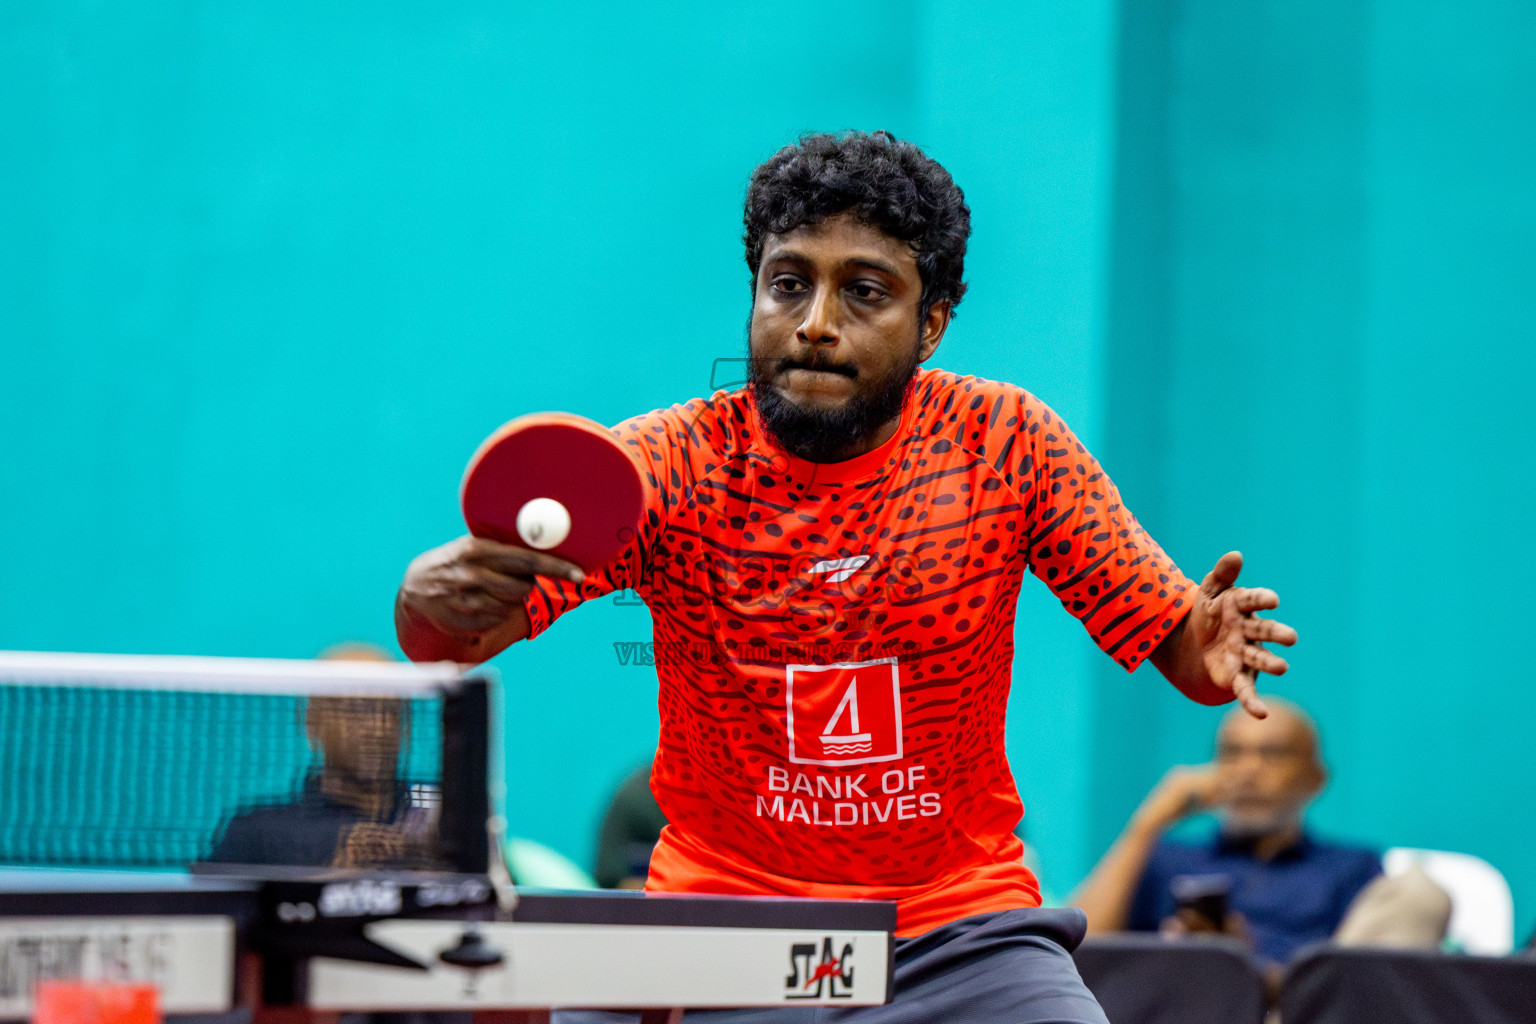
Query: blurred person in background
(631, 826)
(354, 810)
(1280, 887)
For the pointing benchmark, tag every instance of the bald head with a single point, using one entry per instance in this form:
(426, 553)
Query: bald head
(1267, 769)
(1287, 723)
(356, 650)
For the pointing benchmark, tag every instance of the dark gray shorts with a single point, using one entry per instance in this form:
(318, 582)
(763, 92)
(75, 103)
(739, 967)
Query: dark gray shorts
(1011, 967)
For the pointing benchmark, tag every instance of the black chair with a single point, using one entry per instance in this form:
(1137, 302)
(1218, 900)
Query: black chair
(1146, 979)
(1331, 985)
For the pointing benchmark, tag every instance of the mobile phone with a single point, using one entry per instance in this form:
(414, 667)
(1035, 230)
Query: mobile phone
(1205, 895)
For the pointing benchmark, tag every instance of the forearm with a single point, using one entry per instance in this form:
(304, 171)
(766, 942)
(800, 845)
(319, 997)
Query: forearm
(422, 641)
(1106, 894)
(1179, 658)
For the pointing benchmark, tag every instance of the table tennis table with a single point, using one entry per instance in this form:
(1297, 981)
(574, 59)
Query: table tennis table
(285, 943)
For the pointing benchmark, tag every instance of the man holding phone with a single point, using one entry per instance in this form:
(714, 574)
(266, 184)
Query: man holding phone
(1262, 878)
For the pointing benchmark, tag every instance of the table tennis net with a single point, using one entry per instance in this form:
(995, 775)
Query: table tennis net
(169, 762)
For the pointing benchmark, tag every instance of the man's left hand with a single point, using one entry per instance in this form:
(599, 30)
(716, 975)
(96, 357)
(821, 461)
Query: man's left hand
(1227, 634)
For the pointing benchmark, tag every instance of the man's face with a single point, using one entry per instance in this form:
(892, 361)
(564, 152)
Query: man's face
(1267, 771)
(835, 336)
(359, 737)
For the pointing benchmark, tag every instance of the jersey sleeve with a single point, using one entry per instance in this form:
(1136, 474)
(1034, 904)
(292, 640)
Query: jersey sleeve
(1088, 548)
(651, 440)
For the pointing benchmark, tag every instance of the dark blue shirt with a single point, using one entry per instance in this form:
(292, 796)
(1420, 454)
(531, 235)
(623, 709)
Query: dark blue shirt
(1298, 897)
(304, 833)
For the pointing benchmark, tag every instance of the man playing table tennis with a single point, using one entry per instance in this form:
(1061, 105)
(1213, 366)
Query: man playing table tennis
(832, 557)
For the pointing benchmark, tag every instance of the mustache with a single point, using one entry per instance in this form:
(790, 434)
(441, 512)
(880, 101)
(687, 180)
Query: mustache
(816, 362)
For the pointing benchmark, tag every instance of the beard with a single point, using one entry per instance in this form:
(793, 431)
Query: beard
(1252, 827)
(826, 435)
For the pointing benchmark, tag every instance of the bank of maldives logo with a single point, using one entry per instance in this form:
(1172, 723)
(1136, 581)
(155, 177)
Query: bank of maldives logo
(808, 974)
(847, 713)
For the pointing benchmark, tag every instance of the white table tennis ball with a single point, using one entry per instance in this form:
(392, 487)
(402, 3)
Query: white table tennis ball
(543, 523)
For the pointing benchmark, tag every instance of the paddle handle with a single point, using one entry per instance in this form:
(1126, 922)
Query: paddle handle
(421, 640)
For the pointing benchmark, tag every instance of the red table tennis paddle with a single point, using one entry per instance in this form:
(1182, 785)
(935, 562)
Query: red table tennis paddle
(555, 482)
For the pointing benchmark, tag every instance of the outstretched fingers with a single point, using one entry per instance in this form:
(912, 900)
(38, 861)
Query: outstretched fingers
(1247, 694)
(1268, 631)
(1223, 575)
(1257, 658)
(1238, 633)
(1252, 599)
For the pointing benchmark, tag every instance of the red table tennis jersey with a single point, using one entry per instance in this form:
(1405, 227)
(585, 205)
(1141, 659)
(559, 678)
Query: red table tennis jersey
(834, 641)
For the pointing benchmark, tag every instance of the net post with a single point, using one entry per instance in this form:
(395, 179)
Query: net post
(463, 830)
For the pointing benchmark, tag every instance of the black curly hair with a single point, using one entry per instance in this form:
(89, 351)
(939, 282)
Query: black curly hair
(888, 184)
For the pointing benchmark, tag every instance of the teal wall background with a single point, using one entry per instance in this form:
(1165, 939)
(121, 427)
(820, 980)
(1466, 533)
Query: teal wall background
(269, 272)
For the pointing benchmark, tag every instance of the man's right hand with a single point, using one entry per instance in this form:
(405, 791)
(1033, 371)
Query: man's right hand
(463, 601)
(1183, 791)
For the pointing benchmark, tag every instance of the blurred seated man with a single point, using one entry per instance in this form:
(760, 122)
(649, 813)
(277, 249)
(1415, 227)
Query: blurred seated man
(354, 811)
(631, 826)
(1284, 888)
